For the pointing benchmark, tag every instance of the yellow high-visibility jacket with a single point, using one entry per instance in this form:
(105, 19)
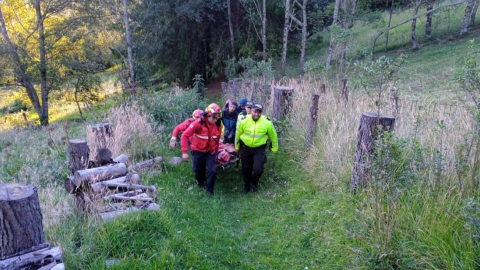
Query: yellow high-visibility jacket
(255, 133)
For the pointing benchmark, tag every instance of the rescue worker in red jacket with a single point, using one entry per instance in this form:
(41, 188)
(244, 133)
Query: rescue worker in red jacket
(251, 139)
(183, 126)
(204, 134)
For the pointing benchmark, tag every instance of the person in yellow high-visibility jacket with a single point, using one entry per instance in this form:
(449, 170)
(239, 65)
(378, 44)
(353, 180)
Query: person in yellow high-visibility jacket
(251, 141)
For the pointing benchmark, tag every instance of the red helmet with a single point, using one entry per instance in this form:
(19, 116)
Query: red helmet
(213, 109)
(197, 114)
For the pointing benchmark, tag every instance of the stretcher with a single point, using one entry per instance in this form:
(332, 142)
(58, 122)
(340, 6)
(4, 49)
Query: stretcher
(226, 156)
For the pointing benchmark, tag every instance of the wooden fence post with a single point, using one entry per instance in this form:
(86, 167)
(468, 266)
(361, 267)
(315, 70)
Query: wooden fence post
(344, 92)
(21, 227)
(371, 128)
(256, 93)
(394, 101)
(312, 125)
(224, 89)
(282, 102)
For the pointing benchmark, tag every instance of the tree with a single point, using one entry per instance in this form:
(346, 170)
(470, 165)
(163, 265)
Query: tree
(25, 79)
(259, 10)
(428, 24)
(474, 12)
(123, 11)
(469, 10)
(303, 25)
(286, 29)
(413, 31)
(332, 34)
(230, 28)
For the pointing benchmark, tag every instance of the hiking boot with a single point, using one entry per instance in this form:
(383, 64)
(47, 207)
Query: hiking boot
(245, 191)
(254, 187)
(210, 193)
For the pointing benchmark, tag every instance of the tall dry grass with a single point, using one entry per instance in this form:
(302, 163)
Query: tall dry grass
(438, 126)
(133, 133)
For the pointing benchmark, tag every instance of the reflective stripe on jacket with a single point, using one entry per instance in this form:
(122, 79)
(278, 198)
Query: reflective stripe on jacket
(204, 136)
(255, 133)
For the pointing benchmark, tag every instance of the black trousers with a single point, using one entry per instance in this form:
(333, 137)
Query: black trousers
(205, 168)
(253, 162)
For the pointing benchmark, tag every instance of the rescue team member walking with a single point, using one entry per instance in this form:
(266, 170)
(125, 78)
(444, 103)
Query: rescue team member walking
(251, 140)
(183, 126)
(204, 134)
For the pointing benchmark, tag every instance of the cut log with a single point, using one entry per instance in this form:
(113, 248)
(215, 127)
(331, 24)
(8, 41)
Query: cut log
(108, 216)
(49, 258)
(78, 155)
(146, 163)
(143, 197)
(121, 159)
(99, 174)
(21, 219)
(371, 128)
(128, 193)
(152, 189)
(69, 184)
(129, 178)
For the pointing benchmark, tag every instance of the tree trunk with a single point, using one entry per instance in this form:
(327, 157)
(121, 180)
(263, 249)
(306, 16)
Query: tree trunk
(474, 12)
(466, 18)
(43, 65)
(264, 30)
(304, 37)
(282, 102)
(25, 80)
(428, 24)
(312, 125)
(390, 14)
(371, 129)
(21, 219)
(230, 27)
(286, 29)
(78, 155)
(128, 37)
(332, 36)
(413, 32)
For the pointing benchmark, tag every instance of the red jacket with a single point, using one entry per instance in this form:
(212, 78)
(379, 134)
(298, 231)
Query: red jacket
(182, 127)
(205, 137)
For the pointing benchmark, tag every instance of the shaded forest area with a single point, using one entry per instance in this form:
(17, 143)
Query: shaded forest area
(48, 43)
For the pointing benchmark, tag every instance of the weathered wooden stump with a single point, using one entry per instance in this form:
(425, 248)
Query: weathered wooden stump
(78, 155)
(371, 128)
(102, 132)
(78, 159)
(312, 125)
(21, 226)
(282, 102)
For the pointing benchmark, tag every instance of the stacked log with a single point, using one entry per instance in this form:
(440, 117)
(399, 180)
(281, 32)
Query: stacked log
(112, 188)
(21, 231)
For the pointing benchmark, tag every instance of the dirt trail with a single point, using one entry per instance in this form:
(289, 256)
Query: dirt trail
(214, 89)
